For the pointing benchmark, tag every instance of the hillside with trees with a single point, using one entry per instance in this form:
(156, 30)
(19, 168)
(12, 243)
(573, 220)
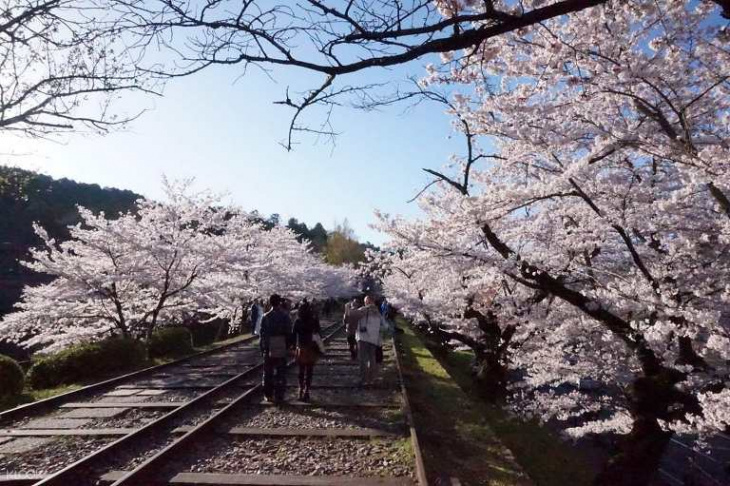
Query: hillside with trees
(27, 197)
(339, 246)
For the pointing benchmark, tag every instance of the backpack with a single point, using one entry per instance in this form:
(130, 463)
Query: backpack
(276, 340)
(369, 327)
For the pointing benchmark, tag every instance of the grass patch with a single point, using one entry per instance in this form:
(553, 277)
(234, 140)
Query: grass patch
(218, 344)
(456, 439)
(544, 456)
(402, 449)
(34, 395)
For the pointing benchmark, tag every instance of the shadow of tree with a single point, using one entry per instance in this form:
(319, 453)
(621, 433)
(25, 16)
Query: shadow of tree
(456, 440)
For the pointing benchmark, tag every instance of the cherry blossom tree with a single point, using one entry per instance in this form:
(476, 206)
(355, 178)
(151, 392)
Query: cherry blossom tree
(605, 203)
(165, 261)
(123, 275)
(261, 261)
(454, 301)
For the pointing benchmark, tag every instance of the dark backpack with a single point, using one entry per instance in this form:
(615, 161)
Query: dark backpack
(277, 338)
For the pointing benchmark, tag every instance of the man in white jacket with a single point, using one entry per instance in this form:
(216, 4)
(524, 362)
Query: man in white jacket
(369, 323)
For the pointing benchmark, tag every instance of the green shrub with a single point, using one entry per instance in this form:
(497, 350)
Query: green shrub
(170, 342)
(204, 333)
(12, 378)
(86, 362)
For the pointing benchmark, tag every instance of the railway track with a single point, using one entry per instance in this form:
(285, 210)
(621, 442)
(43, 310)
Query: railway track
(685, 464)
(227, 435)
(42, 406)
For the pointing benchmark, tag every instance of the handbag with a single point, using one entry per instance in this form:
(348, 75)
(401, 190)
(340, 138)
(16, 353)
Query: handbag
(317, 339)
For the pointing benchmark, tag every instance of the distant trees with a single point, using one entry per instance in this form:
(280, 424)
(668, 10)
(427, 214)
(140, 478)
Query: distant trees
(27, 197)
(342, 245)
(338, 246)
(317, 236)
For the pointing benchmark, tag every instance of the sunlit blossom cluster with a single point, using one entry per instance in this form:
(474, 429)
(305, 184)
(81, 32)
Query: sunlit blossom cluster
(600, 226)
(190, 256)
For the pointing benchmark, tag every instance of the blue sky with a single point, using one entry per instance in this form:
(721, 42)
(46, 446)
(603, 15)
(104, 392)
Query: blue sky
(224, 131)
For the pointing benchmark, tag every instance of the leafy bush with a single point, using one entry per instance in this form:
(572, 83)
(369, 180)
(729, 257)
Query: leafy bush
(12, 378)
(170, 342)
(205, 333)
(86, 362)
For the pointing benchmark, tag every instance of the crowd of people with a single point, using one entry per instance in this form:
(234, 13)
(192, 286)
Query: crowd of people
(286, 330)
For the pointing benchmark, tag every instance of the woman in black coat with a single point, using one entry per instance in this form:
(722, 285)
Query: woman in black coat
(305, 327)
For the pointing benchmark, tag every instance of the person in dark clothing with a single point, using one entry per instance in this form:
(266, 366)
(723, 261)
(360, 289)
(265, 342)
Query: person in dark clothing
(276, 341)
(254, 312)
(351, 327)
(305, 327)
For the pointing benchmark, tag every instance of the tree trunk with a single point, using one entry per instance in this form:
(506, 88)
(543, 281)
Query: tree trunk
(125, 331)
(491, 375)
(637, 462)
(221, 329)
(151, 326)
(244, 321)
(652, 398)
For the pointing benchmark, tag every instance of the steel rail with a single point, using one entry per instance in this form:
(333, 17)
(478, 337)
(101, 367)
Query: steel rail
(417, 455)
(61, 477)
(28, 409)
(145, 472)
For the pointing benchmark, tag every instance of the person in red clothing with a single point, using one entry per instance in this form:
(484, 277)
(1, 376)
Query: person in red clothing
(307, 353)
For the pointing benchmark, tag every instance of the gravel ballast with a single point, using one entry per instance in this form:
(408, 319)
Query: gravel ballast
(388, 420)
(131, 458)
(182, 395)
(349, 396)
(305, 456)
(132, 419)
(51, 456)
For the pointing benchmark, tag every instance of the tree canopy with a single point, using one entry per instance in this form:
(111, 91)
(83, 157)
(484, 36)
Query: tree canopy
(158, 264)
(28, 198)
(592, 242)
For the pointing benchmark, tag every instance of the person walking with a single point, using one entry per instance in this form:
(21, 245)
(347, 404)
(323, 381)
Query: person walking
(305, 328)
(384, 307)
(276, 340)
(369, 324)
(350, 322)
(255, 313)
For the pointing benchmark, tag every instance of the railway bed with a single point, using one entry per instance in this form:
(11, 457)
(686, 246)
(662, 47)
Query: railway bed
(204, 422)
